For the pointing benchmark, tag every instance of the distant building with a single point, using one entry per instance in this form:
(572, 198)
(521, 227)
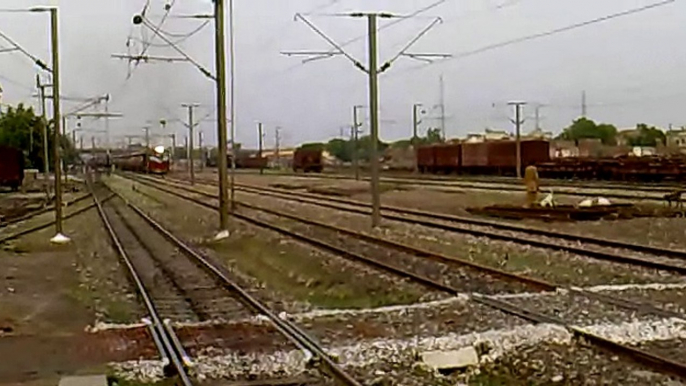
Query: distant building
(488, 135)
(676, 140)
(539, 134)
(624, 136)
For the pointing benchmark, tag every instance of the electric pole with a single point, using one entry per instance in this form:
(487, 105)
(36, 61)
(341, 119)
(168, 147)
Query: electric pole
(44, 115)
(415, 130)
(147, 137)
(191, 125)
(202, 151)
(173, 151)
(518, 144)
(260, 143)
(278, 146)
(373, 69)
(442, 90)
(59, 238)
(374, 115)
(583, 104)
(220, 57)
(107, 121)
(356, 134)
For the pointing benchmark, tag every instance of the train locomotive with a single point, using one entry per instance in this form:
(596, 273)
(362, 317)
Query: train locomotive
(150, 161)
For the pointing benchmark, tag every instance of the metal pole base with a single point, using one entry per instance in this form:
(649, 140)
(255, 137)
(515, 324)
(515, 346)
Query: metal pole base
(222, 235)
(60, 239)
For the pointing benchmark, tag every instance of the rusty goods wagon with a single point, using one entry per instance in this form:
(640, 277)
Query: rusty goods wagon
(248, 162)
(448, 158)
(11, 167)
(308, 160)
(500, 157)
(426, 159)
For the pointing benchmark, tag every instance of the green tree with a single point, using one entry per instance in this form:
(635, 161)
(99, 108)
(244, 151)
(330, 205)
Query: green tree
(17, 126)
(584, 128)
(341, 149)
(647, 136)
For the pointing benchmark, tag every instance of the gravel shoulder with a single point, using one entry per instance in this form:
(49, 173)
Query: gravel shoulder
(291, 272)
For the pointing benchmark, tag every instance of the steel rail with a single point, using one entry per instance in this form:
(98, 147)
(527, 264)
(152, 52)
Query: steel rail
(162, 335)
(41, 211)
(313, 199)
(514, 186)
(287, 328)
(660, 363)
(680, 254)
(48, 224)
(532, 282)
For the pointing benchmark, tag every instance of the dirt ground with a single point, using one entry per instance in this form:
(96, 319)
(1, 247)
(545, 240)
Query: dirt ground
(49, 294)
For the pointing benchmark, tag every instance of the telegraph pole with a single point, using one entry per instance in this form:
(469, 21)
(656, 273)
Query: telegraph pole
(221, 117)
(59, 238)
(260, 140)
(107, 121)
(191, 125)
(173, 152)
(518, 124)
(583, 104)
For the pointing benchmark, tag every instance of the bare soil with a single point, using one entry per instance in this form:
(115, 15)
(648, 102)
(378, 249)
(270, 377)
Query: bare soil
(49, 294)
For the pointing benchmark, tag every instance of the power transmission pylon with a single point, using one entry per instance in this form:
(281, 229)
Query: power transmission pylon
(373, 70)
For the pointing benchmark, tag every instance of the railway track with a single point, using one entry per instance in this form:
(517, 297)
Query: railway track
(670, 260)
(38, 212)
(177, 283)
(651, 193)
(647, 358)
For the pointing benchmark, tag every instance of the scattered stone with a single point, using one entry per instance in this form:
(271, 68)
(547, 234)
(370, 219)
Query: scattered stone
(451, 360)
(557, 378)
(90, 380)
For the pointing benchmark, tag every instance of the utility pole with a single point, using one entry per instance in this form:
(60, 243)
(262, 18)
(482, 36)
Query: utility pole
(173, 151)
(356, 134)
(81, 143)
(221, 117)
(107, 121)
(260, 143)
(92, 142)
(202, 151)
(147, 137)
(415, 130)
(374, 115)
(191, 125)
(583, 104)
(442, 90)
(59, 238)
(518, 124)
(373, 69)
(278, 146)
(44, 115)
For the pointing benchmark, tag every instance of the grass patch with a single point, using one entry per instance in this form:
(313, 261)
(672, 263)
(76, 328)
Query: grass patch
(310, 277)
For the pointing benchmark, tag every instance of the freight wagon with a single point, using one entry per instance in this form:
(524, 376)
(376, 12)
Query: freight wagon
(243, 161)
(487, 158)
(11, 167)
(500, 157)
(308, 160)
(624, 168)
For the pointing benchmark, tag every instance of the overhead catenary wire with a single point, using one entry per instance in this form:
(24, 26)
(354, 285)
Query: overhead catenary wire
(555, 31)
(26, 53)
(180, 51)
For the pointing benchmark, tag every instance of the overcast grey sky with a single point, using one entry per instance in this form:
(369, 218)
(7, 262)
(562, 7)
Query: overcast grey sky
(631, 68)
